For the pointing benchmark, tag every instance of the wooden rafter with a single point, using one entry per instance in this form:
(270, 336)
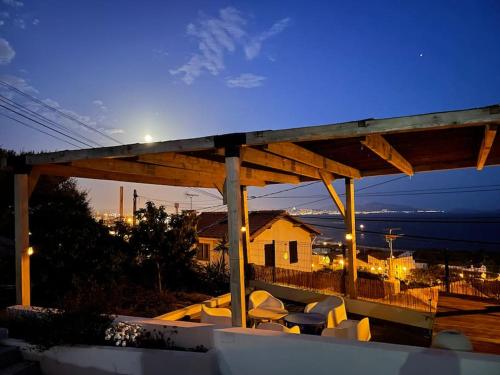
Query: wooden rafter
(191, 163)
(267, 159)
(71, 171)
(382, 148)
(490, 132)
(303, 155)
(327, 181)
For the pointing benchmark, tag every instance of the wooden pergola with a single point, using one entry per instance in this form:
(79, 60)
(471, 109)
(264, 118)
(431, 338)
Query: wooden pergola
(232, 162)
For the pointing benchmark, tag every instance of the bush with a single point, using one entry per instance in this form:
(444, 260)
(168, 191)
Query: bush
(214, 279)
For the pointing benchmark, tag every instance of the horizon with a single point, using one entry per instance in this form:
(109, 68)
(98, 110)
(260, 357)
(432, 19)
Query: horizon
(145, 74)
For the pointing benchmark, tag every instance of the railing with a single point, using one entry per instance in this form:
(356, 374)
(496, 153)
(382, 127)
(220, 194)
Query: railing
(333, 282)
(473, 286)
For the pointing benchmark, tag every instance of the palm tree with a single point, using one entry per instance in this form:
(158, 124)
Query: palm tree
(222, 248)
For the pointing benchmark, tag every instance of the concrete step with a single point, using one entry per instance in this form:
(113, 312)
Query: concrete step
(22, 368)
(9, 355)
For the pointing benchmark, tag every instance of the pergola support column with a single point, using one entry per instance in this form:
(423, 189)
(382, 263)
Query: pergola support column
(245, 224)
(234, 213)
(21, 213)
(350, 222)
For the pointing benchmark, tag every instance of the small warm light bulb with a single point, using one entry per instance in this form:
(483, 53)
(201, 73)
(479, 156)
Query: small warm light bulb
(148, 138)
(348, 236)
(243, 229)
(461, 275)
(285, 255)
(361, 226)
(341, 262)
(30, 251)
(372, 269)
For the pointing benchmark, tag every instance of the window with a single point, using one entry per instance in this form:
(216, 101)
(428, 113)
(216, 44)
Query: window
(203, 251)
(294, 256)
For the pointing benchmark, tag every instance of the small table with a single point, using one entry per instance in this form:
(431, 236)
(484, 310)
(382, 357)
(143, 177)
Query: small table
(267, 314)
(312, 323)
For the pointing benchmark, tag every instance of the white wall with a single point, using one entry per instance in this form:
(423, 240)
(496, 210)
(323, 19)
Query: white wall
(245, 351)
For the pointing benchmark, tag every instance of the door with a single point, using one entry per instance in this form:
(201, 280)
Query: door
(269, 255)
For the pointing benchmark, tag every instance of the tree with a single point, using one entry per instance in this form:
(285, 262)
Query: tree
(168, 242)
(222, 248)
(71, 248)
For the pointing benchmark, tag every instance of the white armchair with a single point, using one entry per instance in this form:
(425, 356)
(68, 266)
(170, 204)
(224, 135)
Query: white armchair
(333, 308)
(350, 329)
(218, 316)
(262, 299)
(271, 326)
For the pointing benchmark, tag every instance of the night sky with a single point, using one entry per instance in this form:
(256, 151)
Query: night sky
(173, 69)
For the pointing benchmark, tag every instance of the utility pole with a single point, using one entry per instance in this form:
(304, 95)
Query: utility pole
(134, 209)
(390, 238)
(190, 196)
(121, 203)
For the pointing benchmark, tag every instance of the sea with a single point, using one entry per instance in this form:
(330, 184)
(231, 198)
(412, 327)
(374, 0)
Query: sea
(417, 230)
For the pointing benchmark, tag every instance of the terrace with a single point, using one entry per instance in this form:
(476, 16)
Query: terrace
(349, 151)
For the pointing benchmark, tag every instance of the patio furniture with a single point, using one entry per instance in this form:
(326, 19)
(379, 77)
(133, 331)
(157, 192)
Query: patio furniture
(220, 317)
(311, 323)
(333, 308)
(278, 327)
(451, 339)
(264, 307)
(350, 329)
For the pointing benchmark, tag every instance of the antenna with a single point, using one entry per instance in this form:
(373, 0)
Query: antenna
(190, 196)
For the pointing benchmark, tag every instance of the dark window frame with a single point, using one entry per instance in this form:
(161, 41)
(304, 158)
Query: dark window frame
(203, 251)
(293, 252)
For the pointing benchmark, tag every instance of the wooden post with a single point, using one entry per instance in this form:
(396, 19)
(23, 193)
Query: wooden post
(21, 194)
(237, 273)
(246, 225)
(350, 222)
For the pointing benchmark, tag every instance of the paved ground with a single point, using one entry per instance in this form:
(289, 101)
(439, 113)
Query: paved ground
(478, 319)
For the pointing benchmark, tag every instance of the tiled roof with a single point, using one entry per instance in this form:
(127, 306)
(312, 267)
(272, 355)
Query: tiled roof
(214, 224)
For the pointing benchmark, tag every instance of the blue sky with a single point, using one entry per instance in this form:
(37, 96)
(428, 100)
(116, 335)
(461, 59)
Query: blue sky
(185, 69)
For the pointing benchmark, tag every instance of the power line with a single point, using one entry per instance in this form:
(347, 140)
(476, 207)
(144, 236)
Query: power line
(413, 236)
(44, 125)
(38, 130)
(35, 99)
(43, 118)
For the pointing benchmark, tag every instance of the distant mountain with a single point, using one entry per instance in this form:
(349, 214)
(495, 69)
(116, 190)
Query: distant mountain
(378, 206)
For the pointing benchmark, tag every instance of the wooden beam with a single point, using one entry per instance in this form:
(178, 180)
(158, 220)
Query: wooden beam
(350, 223)
(431, 121)
(267, 159)
(237, 272)
(303, 155)
(489, 137)
(21, 217)
(428, 121)
(191, 163)
(71, 171)
(382, 148)
(327, 181)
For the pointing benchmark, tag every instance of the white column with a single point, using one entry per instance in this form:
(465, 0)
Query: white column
(350, 222)
(237, 277)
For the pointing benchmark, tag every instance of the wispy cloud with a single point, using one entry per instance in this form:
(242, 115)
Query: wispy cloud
(252, 49)
(35, 22)
(13, 3)
(245, 80)
(218, 36)
(20, 23)
(100, 105)
(7, 53)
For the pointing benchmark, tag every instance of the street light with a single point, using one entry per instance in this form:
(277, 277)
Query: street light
(348, 236)
(30, 251)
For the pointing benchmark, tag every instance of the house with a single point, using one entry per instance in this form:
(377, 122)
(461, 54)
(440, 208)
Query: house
(277, 239)
(377, 261)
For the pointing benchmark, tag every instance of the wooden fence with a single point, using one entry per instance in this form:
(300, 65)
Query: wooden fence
(327, 281)
(475, 287)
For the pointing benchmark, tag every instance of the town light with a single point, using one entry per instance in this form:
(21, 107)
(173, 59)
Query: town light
(341, 262)
(348, 236)
(30, 251)
(361, 226)
(285, 255)
(324, 243)
(404, 268)
(483, 276)
(461, 275)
